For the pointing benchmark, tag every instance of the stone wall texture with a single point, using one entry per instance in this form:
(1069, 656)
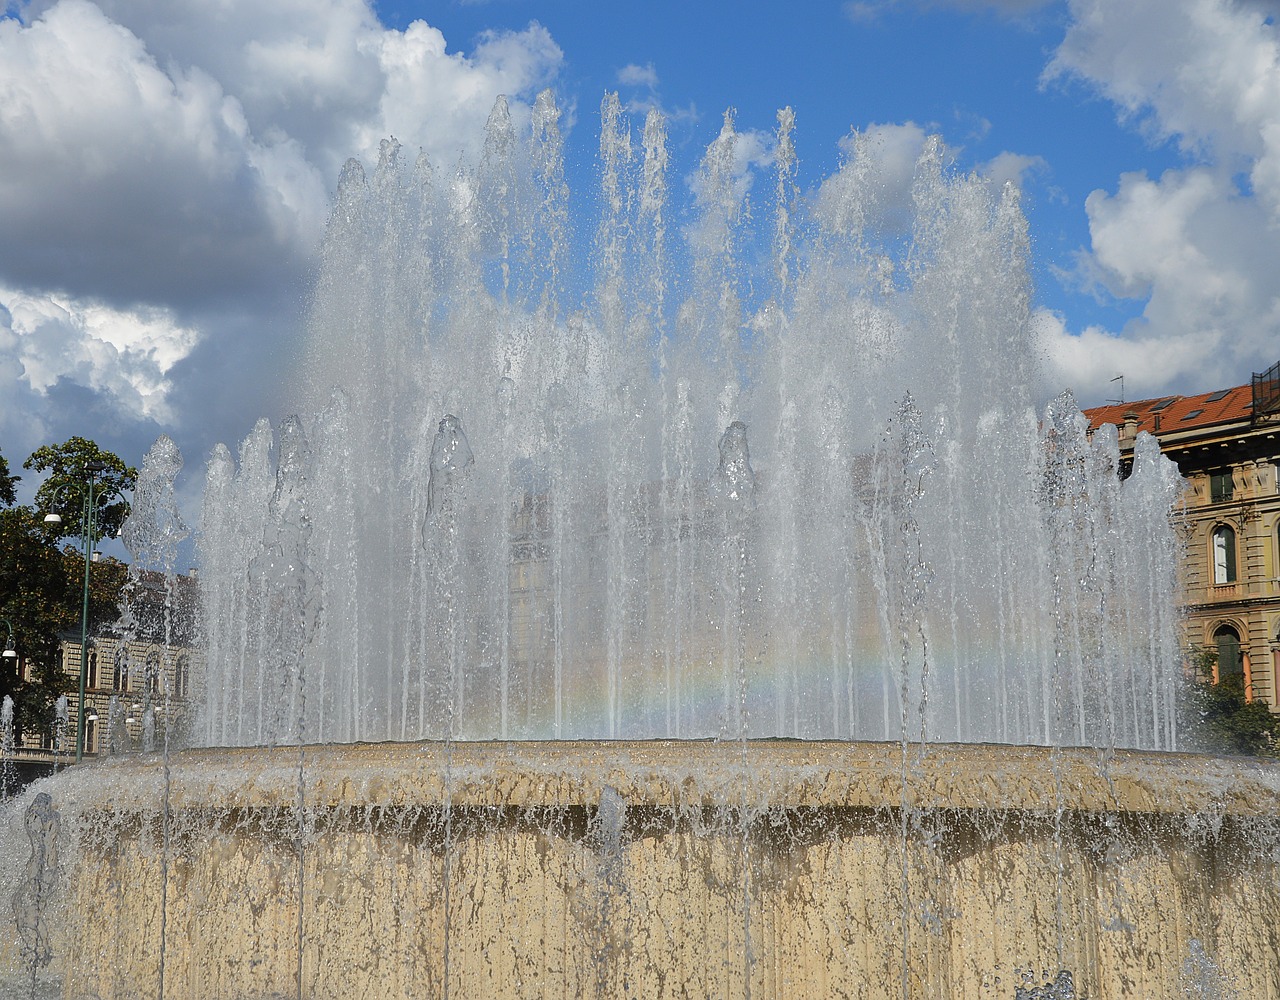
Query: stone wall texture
(659, 869)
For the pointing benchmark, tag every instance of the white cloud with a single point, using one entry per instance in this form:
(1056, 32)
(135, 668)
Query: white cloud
(1011, 168)
(327, 74)
(126, 353)
(438, 102)
(1086, 362)
(165, 172)
(121, 179)
(638, 76)
(1206, 75)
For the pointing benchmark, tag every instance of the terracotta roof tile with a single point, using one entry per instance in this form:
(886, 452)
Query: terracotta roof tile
(1169, 414)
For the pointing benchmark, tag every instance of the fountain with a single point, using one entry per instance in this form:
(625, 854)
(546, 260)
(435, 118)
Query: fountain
(686, 609)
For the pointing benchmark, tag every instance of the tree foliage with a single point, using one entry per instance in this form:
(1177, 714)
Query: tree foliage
(70, 466)
(42, 586)
(8, 493)
(1218, 718)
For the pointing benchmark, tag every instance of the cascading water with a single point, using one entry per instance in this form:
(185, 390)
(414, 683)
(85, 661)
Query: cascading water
(506, 518)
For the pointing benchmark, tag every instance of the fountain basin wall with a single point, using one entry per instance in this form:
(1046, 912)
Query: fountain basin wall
(657, 869)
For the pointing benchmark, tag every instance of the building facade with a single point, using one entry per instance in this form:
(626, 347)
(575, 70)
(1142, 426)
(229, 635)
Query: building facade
(1226, 444)
(140, 675)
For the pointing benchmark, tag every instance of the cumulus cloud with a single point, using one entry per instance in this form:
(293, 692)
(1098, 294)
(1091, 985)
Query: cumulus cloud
(119, 180)
(165, 174)
(128, 353)
(1195, 244)
(438, 102)
(1091, 358)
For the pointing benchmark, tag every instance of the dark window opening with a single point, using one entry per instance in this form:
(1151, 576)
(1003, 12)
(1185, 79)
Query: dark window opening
(1230, 662)
(1221, 487)
(153, 673)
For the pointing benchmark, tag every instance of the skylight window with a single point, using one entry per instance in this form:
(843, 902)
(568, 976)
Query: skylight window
(1220, 394)
(1193, 414)
(1163, 403)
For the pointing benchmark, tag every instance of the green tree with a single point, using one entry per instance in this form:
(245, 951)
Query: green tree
(42, 584)
(69, 466)
(1218, 718)
(8, 494)
(37, 599)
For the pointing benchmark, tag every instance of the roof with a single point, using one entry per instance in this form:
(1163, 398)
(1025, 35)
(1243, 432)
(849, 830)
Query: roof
(1172, 414)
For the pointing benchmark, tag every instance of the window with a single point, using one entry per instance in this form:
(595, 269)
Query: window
(1230, 663)
(180, 676)
(1224, 555)
(1220, 486)
(91, 678)
(153, 672)
(120, 674)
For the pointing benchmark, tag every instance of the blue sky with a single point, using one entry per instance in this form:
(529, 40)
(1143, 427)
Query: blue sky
(973, 74)
(166, 170)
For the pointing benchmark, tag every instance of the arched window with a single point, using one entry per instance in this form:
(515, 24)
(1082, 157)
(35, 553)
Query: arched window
(91, 677)
(1224, 554)
(1230, 663)
(120, 674)
(180, 676)
(154, 672)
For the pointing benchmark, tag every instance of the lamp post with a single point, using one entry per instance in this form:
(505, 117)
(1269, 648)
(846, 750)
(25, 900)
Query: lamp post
(10, 650)
(88, 536)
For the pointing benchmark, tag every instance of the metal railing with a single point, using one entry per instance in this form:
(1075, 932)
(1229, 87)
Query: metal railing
(1266, 391)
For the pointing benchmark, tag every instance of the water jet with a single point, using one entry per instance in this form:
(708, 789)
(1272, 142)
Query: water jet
(741, 630)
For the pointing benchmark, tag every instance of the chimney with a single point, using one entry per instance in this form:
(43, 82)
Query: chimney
(1130, 429)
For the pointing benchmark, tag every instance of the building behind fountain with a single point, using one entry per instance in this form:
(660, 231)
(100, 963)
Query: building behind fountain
(1226, 444)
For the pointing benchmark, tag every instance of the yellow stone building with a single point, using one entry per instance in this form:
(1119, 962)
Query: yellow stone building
(1226, 444)
(136, 689)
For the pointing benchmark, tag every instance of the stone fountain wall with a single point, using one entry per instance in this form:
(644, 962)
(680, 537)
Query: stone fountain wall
(769, 869)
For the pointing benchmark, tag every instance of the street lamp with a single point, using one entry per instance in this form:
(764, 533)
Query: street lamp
(10, 651)
(88, 536)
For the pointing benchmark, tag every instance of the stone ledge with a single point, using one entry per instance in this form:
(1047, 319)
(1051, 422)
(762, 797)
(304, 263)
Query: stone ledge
(687, 774)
